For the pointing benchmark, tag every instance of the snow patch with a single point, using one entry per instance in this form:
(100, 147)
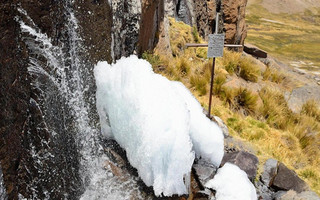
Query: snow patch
(158, 122)
(231, 183)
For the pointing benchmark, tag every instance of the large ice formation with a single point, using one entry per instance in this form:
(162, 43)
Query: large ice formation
(158, 122)
(231, 183)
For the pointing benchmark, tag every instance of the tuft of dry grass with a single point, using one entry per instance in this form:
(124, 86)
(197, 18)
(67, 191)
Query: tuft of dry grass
(275, 109)
(245, 101)
(219, 80)
(248, 70)
(242, 66)
(273, 76)
(312, 109)
(230, 61)
(183, 66)
(199, 83)
(240, 99)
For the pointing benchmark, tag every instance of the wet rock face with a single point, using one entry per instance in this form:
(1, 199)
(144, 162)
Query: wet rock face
(125, 27)
(14, 94)
(95, 19)
(255, 51)
(205, 171)
(36, 163)
(25, 139)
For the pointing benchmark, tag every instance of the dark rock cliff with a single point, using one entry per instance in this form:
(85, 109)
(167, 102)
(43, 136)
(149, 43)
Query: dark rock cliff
(34, 161)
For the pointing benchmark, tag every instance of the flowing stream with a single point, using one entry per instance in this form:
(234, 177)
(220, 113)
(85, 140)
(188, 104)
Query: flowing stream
(64, 80)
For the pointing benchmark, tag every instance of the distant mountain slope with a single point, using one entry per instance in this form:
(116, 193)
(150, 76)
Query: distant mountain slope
(289, 6)
(287, 29)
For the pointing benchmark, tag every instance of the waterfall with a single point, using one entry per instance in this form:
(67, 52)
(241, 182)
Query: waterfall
(62, 78)
(3, 194)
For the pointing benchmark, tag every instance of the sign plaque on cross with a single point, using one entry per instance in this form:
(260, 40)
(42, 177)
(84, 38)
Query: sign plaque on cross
(215, 45)
(215, 49)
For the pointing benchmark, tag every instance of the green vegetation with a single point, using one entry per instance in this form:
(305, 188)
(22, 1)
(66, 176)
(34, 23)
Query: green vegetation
(260, 116)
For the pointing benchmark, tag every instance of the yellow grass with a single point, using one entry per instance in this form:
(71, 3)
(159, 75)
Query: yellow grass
(271, 128)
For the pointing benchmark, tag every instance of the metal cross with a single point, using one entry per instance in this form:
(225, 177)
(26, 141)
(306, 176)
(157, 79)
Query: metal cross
(215, 49)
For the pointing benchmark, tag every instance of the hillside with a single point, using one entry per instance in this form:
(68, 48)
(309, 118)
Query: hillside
(287, 29)
(249, 98)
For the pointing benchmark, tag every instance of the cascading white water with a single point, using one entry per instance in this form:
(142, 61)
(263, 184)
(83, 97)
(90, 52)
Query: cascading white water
(67, 72)
(3, 194)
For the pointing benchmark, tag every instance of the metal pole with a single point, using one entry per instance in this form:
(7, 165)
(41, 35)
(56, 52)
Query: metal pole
(211, 86)
(217, 23)
(212, 70)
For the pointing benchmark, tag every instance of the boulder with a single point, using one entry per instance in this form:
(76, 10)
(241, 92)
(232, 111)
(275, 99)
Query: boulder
(287, 179)
(270, 169)
(292, 195)
(204, 171)
(255, 51)
(263, 191)
(301, 95)
(244, 160)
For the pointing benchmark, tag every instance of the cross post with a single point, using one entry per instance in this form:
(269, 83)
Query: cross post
(215, 49)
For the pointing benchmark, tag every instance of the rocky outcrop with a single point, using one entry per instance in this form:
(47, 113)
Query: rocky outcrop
(152, 17)
(269, 172)
(234, 21)
(244, 160)
(286, 179)
(205, 171)
(301, 95)
(279, 182)
(292, 195)
(205, 14)
(255, 51)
